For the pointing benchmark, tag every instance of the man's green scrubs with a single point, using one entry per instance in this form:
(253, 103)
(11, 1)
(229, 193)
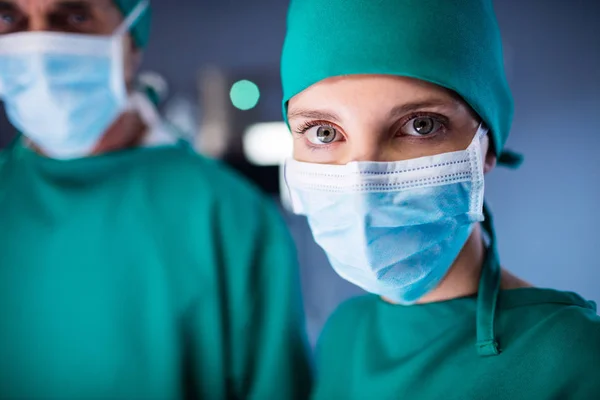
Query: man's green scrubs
(144, 274)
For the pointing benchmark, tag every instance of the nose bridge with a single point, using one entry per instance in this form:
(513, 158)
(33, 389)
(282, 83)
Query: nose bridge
(38, 23)
(37, 18)
(37, 26)
(366, 144)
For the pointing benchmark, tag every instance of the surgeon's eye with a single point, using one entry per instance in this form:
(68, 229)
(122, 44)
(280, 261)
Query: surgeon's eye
(7, 19)
(320, 134)
(422, 126)
(78, 19)
(10, 19)
(73, 17)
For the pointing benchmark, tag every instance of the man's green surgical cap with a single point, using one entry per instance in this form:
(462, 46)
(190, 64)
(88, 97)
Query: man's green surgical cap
(141, 30)
(452, 43)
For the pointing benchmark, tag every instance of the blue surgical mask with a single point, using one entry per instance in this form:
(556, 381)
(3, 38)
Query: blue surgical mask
(63, 91)
(392, 228)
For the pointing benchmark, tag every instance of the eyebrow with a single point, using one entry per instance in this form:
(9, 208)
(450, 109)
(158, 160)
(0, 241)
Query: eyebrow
(69, 4)
(404, 109)
(8, 6)
(76, 5)
(314, 114)
(394, 113)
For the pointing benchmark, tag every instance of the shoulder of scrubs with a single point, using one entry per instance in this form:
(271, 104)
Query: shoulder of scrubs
(584, 333)
(549, 341)
(562, 334)
(257, 269)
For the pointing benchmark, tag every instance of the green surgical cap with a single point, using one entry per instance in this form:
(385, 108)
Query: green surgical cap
(452, 43)
(141, 29)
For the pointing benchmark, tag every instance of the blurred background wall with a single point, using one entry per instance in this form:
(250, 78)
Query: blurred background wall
(547, 212)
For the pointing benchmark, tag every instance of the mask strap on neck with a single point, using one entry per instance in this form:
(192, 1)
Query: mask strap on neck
(487, 298)
(132, 18)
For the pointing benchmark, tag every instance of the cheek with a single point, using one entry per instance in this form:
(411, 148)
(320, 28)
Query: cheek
(301, 152)
(326, 155)
(407, 148)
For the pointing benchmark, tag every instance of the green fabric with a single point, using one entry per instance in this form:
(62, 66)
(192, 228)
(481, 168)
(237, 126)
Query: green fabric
(141, 30)
(488, 291)
(550, 345)
(455, 44)
(144, 274)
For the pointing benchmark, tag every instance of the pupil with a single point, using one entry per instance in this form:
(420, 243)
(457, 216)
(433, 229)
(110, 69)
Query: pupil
(326, 135)
(78, 18)
(424, 125)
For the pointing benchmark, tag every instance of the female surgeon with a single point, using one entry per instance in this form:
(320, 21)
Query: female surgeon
(398, 109)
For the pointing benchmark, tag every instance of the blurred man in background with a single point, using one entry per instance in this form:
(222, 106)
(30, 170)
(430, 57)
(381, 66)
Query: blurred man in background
(129, 267)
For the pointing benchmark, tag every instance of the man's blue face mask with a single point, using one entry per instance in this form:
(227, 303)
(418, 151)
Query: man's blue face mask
(63, 91)
(392, 228)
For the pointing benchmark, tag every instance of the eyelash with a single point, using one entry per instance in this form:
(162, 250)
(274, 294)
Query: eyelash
(443, 120)
(311, 124)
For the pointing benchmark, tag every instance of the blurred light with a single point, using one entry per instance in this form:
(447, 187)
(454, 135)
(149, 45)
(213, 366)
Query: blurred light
(268, 143)
(244, 95)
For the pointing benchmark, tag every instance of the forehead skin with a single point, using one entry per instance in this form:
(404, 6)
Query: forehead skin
(360, 91)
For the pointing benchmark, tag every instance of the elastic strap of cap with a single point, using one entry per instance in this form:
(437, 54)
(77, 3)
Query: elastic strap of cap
(489, 288)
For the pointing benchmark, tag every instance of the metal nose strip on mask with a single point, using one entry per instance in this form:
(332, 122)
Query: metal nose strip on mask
(454, 170)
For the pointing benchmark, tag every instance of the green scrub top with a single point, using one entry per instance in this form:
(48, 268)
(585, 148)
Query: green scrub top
(144, 274)
(500, 345)
(550, 344)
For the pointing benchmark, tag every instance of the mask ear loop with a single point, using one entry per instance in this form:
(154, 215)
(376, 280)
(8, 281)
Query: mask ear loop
(132, 18)
(118, 74)
(477, 159)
